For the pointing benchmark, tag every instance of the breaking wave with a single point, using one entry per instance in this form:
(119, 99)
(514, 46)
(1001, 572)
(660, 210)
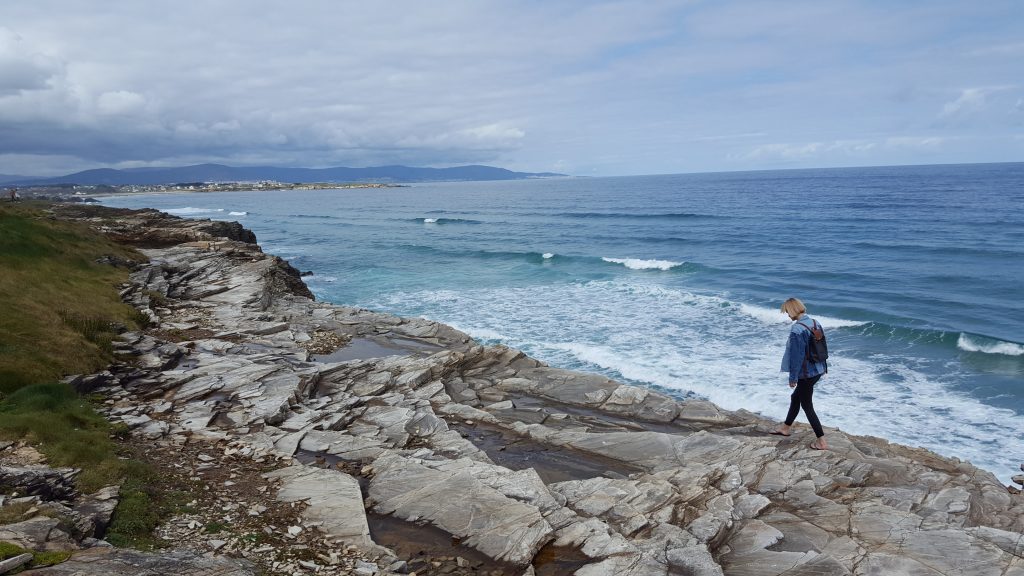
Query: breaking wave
(638, 264)
(446, 221)
(189, 210)
(988, 346)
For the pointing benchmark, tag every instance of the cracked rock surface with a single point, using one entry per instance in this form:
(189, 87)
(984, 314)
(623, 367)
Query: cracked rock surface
(516, 462)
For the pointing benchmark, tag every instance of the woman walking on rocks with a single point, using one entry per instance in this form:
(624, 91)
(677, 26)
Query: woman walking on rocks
(804, 373)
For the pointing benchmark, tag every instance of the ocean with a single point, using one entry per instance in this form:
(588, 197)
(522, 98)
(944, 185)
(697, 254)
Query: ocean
(675, 282)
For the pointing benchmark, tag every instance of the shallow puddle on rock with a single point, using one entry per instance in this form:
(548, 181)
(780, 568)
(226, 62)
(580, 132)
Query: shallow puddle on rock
(600, 421)
(558, 561)
(358, 349)
(553, 464)
(415, 344)
(425, 548)
(430, 550)
(370, 348)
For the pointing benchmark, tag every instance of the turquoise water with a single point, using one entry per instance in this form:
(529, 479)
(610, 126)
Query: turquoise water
(674, 282)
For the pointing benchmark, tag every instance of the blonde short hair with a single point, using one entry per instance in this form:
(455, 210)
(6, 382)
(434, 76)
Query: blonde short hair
(794, 307)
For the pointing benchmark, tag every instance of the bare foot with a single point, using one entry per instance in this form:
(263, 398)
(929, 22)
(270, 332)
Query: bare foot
(782, 430)
(819, 444)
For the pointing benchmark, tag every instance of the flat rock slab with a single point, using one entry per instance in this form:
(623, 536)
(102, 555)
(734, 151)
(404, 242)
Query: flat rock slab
(123, 562)
(456, 502)
(691, 484)
(334, 498)
(39, 533)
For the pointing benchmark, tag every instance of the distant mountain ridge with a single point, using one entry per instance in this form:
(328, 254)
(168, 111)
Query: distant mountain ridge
(221, 173)
(5, 178)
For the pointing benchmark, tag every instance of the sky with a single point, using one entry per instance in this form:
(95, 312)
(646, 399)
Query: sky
(589, 88)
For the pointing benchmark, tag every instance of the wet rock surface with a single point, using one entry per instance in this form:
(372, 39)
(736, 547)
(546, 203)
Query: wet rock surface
(498, 463)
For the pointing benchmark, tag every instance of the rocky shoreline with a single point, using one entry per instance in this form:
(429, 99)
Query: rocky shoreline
(332, 440)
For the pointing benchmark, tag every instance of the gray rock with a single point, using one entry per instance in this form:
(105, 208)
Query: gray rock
(14, 562)
(483, 518)
(749, 506)
(693, 560)
(884, 563)
(43, 481)
(38, 533)
(760, 505)
(334, 500)
(102, 561)
(425, 423)
(97, 509)
(626, 504)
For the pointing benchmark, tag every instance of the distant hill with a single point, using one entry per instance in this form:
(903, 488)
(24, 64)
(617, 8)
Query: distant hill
(221, 173)
(5, 178)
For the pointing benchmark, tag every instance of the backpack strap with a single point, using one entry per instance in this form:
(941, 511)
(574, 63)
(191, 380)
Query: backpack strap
(810, 337)
(807, 351)
(812, 328)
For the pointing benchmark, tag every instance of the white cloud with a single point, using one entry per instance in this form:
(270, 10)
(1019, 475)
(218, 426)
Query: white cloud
(495, 132)
(21, 66)
(743, 136)
(1007, 48)
(914, 142)
(120, 102)
(809, 150)
(610, 86)
(970, 100)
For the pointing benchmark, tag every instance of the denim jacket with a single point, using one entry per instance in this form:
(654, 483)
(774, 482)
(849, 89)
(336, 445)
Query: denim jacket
(795, 360)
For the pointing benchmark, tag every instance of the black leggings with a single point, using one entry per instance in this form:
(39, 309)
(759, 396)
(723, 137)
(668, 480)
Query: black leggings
(802, 398)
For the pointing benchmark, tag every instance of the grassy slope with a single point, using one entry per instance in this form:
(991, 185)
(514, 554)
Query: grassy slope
(58, 308)
(57, 304)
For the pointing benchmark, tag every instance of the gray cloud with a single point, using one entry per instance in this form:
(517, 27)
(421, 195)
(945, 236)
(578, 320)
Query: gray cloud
(20, 68)
(589, 87)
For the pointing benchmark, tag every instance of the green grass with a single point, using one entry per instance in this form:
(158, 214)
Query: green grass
(39, 559)
(60, 307)
(146, 500)
(61, 313)
(13, 513)
(137, 512)
(65, 428)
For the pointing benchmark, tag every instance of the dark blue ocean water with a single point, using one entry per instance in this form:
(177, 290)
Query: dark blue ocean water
(917, 274)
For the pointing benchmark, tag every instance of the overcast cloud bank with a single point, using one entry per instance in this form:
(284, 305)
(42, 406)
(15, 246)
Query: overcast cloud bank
(576, 87)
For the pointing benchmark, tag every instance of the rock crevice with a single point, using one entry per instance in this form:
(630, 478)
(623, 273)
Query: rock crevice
(705, 491)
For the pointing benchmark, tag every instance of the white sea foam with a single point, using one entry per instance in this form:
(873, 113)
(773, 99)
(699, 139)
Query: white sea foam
(481, 333)
(638, 264)
(430, 220)
(767, 315)
(190, 210)
(968, 344)
(772, 316)
(547, 255)
(238, 213)
(726, 352)
(829, 322)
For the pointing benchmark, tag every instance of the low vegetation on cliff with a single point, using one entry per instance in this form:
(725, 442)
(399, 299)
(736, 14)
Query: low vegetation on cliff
(61, 310)
(59, 293)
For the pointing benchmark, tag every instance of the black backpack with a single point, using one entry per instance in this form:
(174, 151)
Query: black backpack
(817, 346)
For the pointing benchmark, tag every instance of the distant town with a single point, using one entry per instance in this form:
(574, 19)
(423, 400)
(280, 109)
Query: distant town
(83, 192)
(224, 187)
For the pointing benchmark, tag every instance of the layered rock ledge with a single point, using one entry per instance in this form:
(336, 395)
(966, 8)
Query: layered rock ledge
(386, 425)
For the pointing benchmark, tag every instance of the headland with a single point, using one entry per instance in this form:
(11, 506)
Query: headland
(324, 439)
